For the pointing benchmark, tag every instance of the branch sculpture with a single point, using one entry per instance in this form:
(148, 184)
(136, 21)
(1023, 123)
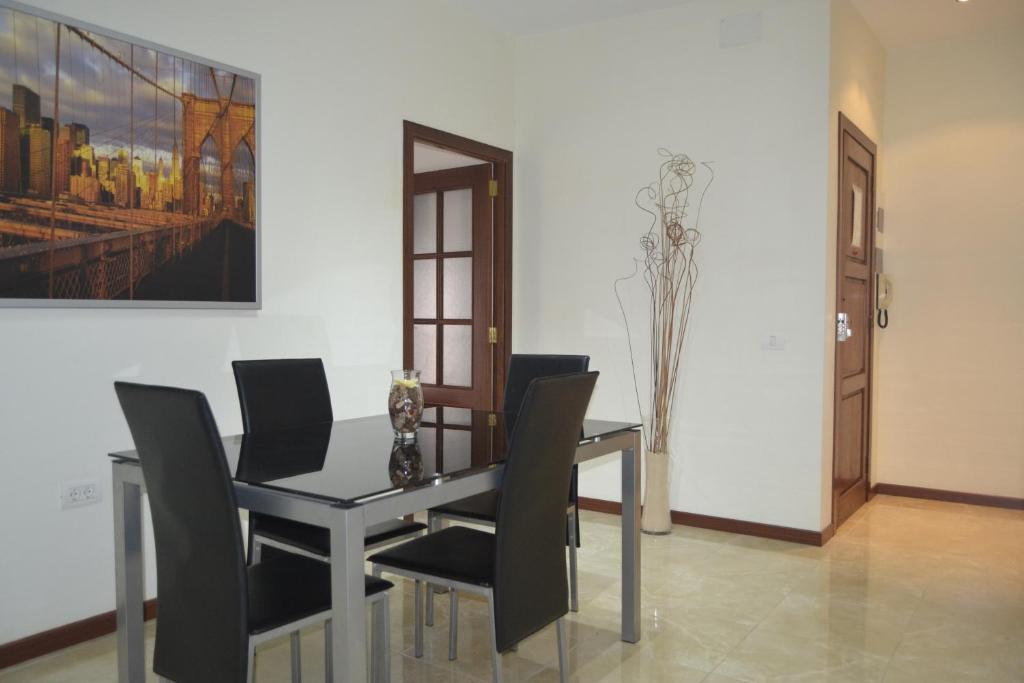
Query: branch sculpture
(669, 270)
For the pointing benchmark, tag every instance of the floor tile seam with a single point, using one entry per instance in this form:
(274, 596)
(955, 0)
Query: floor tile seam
(744, 639)
(903, 635)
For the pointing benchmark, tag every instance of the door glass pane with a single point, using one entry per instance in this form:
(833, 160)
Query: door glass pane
(427, 441)
(458, 355)
(424, 352)
(424, 288)
(458, 220)
(458, 451)
(458, 288)
(857, 239)
(458, 416)
(424, 223)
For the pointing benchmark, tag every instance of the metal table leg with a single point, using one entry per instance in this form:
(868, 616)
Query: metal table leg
(348, 593)
(128, 575)
(631, 541)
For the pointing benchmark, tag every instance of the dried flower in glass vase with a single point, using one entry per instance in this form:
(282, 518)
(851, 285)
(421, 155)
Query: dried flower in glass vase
(405, 403)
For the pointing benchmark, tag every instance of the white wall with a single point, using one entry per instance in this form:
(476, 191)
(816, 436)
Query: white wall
(338, 79)
(950, 410)
(594, 104)
(857, 89)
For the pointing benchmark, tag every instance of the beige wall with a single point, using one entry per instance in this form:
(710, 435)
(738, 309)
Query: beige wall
(950, 367)
(857, 89)
(338, 78)
(593, 105)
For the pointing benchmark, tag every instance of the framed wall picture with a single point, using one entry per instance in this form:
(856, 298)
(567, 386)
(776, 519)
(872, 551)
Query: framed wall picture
(128, 170)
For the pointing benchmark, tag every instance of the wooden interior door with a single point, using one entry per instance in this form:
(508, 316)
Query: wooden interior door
(449, 296)
(854, 298)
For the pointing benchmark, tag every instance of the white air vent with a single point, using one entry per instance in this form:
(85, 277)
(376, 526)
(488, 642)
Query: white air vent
(740, 29)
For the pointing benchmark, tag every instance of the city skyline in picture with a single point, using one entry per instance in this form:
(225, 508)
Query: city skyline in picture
(152, 152)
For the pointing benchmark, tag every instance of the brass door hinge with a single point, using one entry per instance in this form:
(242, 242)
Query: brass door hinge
(492, 420)
(492, 188)
(492, 335)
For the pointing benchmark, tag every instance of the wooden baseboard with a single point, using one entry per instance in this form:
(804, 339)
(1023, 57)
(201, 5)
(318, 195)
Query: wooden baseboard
(58, 638)
(949, 496)
(598, 505)
(734, 526)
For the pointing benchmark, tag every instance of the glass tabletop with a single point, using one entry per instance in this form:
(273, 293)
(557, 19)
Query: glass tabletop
(353, 460)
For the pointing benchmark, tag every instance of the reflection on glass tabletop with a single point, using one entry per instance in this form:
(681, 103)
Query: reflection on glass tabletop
(351, 460)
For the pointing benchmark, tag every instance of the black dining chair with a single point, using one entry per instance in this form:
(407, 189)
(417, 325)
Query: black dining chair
(214, 610)
(520, 568)
(283, 394)
(523, 368)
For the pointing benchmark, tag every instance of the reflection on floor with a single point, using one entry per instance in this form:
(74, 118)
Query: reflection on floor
(909, 590)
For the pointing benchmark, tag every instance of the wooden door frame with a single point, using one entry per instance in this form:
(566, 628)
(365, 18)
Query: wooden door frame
(502, 266)
(848, 126)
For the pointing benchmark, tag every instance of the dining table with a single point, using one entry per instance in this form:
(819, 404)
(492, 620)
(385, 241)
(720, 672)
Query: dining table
(348, 476)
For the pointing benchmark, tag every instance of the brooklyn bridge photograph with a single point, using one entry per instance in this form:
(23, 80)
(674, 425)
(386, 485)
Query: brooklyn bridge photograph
(127, 173)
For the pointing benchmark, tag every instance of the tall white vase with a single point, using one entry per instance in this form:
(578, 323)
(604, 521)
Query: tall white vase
(656, 518)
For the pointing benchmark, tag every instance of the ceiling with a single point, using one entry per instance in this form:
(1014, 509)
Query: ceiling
(523, 17)
(899, 23)
(427, 158)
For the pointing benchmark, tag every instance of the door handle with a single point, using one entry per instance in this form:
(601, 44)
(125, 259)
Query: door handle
(843, 329)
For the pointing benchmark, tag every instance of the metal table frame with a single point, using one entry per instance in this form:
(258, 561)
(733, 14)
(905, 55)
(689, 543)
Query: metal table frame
(347, 524)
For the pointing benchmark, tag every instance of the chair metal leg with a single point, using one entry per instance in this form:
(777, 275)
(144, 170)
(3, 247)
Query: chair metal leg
(328, 653)
(385, 668)
(379, 649)
(250, 675)
(563, 651)
(296, 658)
(434, 524)
(495, 655)
(418, 616)
(453, 624)
(574, 589)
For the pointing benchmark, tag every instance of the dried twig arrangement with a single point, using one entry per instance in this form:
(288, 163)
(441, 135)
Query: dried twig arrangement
(669, 270)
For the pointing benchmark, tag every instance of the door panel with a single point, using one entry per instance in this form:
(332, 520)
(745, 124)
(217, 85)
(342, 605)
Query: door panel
(854, 297)
(848, 473)
(451, 287)
(853, 352)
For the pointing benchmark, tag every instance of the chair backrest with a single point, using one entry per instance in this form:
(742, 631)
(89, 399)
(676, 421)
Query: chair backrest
(530, 588)
(523, 368)
(201, 632)
(282, 393)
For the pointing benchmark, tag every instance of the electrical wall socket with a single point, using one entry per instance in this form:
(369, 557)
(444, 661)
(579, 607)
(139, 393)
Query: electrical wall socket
(75, 494)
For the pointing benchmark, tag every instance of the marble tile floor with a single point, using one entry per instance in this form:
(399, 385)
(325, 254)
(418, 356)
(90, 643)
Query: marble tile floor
(908, 590)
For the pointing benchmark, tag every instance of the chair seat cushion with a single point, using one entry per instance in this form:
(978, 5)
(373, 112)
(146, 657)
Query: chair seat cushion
(457, 553)
(292, 587)
(317, 539)
(391, 529)
(482, 507)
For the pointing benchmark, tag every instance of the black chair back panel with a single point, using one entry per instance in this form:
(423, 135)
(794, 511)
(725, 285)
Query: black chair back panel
(523, 368)
(530, 588)
(201, 632)
(281, 394)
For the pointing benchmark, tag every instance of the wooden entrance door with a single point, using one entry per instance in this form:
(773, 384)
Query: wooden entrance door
(855, 258)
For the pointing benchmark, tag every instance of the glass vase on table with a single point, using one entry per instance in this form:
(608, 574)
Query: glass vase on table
(405, 403)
